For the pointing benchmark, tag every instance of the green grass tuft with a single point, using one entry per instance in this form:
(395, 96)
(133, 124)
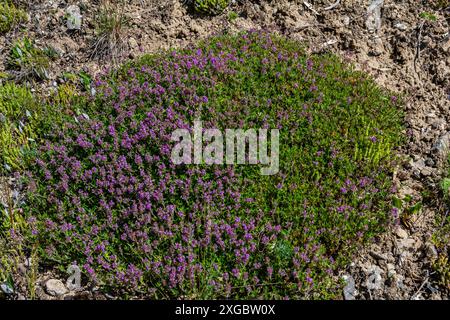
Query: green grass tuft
(10, 16)
(26, 61)
(110, 24)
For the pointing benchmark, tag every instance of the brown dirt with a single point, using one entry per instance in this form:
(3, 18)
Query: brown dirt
(407, 54)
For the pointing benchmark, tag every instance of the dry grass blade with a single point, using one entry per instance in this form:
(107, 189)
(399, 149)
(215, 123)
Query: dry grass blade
(334, 5)
(110, 24)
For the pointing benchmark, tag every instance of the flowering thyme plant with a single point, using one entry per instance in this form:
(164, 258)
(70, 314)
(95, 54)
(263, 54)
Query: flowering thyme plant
(105, 194)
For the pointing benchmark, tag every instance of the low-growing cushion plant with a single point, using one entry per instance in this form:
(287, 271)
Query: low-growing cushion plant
(25, 120)
(211, 7)
(104, 193)
(18, 121)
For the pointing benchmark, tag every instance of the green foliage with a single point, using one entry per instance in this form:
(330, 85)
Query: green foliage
(66, 94)
(428, 16)
(82, 80)
(442, 267)
(110, 23)
(338, 133)
(86, 80)
(407, 205)
(442, 236)
(27, 61)
(212, 7)
(4, 75)
(12, 223)
(446, 187)
(18, 119)
(407, 210)
(24, 120)
(232, 16)
(110, 20)
(10, 16)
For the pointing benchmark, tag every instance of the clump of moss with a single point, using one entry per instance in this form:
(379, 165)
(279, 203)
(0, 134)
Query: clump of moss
(24, 120)
(211, 7)
(17, 122)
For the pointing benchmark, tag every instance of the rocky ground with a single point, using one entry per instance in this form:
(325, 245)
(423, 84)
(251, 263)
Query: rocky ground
(402, 51)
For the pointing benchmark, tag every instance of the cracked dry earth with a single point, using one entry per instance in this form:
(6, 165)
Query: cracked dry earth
(403, 52)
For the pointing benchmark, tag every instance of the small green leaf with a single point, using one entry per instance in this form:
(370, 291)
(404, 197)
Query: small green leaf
(398, 203)
(446, 186)
(415, 208)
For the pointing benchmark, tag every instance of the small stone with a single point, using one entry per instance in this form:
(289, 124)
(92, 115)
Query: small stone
(374, 278)
(390, 258)
(446, 46)
(401, 26)
(69, 45)
(418, 164)
(74, 281)
(376, 47)
(442, 146)
(349, 290)
(22, 268)
(439, 124)
(6, 288)
(373, 20)
(55, 288)
(435, 296)
(401, 233)
(391, 270)
(73, 16)
(57, 47)
(195, 27)
(85, 295)
(426, 172)
(406, 191)
(408, 243)
(346, 20)
(431, 251)
(133, 43)
(430, 162)
(377, 255)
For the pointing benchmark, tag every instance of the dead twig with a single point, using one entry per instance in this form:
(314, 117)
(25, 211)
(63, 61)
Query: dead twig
(443, 220)
(422, 285)
(334, 5)
(310, 7)
(419, 40)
